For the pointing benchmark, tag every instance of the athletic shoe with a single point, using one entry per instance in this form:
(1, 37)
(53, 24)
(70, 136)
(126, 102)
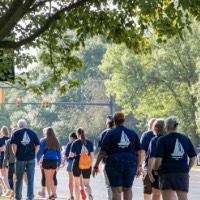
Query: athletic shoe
(83, 195)
(71, 198)
(42, 194)
(7, 193)
(90, 197)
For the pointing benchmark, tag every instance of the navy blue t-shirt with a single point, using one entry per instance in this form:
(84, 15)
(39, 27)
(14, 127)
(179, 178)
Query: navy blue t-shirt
(121, 141)
(152, 147)
(67, 150)
(26, 140)
(145, 141)
(2, 143)
(77, 146)
(174, 149)
(102, 135)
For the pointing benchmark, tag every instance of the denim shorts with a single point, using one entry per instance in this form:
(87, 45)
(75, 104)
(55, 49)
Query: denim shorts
(174, 181)
(121, 172)
(69, 165)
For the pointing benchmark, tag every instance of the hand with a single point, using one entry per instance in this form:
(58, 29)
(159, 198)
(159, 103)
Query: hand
(57, 169)
(95, 171)
(151, 176)
(139, 171)
(144, 173)
(63, 163)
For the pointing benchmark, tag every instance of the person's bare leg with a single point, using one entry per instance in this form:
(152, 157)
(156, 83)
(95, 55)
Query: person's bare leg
(52, 187)
(77, 187)
(116, 193)
(181, 195)
(147, 197)
(47, 175)
(71, 184)
(156, 194)
(86, 185)
(168, 195)
(127, 194)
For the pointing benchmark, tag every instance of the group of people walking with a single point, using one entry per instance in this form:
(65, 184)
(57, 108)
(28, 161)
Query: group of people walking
(165, 153)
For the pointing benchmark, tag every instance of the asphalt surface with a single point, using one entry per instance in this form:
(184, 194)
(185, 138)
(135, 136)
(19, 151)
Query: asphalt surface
(98, 189)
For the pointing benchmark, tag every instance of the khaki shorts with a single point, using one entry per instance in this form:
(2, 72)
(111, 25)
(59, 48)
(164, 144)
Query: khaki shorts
(147, 185)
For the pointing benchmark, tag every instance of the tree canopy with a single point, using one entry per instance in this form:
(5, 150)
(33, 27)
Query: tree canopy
(42, 24)
(160, 84)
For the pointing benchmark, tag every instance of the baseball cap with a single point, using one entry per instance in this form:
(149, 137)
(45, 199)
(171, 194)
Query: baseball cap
(171, 122)
(110, 117)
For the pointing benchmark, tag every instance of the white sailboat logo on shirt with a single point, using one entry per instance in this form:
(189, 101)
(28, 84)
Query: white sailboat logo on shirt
(124, 142)
(178, 151)
(26, 139)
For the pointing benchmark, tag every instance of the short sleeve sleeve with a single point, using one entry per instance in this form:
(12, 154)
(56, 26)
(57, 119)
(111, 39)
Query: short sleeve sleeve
(105, 143)
(160, 148)
(152, 149)
(137, 143)
(191, 150)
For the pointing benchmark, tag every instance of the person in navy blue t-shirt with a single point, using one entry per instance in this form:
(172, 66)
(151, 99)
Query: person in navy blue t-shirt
(145, 141)
(172, 165)
(75, 152)
(159, 131)
(69, 160)
(121, 145)
(25, 145)
(109, 124)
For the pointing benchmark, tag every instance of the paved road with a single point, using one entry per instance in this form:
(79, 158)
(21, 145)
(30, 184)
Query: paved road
(97, 185)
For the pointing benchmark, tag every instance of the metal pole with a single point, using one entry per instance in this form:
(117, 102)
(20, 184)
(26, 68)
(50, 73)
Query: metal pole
(111, 104)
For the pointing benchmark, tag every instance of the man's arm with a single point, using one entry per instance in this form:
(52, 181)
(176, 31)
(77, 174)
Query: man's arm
(191, 162)
(37, 147)
(14, 148)
(100, 157)
(157, 163)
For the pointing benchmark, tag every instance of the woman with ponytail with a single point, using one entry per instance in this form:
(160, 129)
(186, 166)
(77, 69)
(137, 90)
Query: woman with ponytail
(75, 152)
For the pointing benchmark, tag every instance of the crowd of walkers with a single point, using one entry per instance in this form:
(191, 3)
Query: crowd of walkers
(168, 157)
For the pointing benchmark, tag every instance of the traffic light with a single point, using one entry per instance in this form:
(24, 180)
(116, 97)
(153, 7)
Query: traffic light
(45, 103)
(18, 101)
(2, 95)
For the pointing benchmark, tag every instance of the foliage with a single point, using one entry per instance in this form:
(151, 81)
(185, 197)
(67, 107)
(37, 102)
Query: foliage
(159, 84)
(63, 118)
(43, 24)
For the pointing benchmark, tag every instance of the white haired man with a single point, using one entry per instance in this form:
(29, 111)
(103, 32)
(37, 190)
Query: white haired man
(25, 145)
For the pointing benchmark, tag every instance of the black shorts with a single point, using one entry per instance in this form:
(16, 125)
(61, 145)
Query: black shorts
(49, 164)
(77, 171)
(174, 181)
(147, 185)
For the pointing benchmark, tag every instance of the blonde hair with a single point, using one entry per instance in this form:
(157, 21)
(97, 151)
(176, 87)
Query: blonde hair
(5, 131)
